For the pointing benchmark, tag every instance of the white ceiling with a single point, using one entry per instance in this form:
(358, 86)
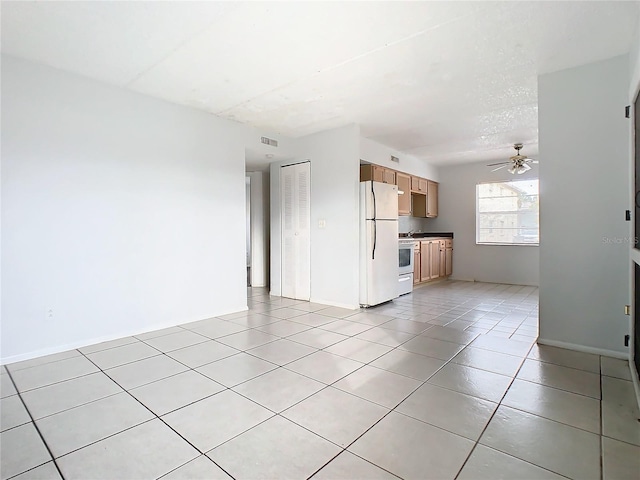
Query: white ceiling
(449, 82)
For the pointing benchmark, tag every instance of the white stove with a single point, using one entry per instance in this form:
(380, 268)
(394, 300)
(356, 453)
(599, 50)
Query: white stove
(405, 266)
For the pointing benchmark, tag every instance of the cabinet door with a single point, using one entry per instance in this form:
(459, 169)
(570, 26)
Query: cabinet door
(449, 261)
(389, 176)
(418, 205)
(423, 185)
(432, 199)
(416, 263)
(404, 199)
(434, 248)
(443, 258)
(425, 261)
(378, 174)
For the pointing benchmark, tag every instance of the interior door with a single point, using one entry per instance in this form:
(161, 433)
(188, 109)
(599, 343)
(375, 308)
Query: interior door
(296, 246)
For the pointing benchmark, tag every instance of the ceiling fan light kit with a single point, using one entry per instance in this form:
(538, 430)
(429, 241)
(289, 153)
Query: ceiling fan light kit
(518, 164)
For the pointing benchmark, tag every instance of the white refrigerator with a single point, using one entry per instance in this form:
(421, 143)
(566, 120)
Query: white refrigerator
(378, 243)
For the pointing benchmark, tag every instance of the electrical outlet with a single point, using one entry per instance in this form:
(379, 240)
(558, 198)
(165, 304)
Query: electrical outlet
(50, 313)
(322, 223)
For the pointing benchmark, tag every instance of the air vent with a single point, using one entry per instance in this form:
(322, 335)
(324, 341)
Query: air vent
(395, 159)
(269, 141)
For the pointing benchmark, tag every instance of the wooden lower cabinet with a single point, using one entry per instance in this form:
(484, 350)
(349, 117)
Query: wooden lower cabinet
(433, 259)
(416, 263)
(425, 261)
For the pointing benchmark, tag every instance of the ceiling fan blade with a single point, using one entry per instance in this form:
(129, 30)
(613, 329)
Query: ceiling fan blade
(500, 163)
(502, 166)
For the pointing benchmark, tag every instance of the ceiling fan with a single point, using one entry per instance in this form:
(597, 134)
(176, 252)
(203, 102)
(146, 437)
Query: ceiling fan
(517, 164)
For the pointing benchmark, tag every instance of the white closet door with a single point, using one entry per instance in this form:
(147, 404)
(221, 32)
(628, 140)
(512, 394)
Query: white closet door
(296, 246)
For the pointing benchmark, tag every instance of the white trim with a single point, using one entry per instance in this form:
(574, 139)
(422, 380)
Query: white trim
(93, 341)
(585, 349)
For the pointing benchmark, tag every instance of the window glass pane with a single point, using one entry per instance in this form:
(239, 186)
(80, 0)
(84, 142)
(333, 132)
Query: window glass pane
(507, 212)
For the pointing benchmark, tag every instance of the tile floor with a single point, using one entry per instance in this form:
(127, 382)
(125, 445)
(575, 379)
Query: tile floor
(443, 383)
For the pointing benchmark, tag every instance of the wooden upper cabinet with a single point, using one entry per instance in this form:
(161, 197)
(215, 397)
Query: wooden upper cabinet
(404, 194)
(432, 199)
(419, 185)
(377, 174)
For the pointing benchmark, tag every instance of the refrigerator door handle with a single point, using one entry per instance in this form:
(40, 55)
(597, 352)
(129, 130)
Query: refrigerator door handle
(375, 237)
(373, 193)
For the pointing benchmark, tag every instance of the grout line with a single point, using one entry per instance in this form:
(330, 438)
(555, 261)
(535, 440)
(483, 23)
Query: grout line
(35, 425)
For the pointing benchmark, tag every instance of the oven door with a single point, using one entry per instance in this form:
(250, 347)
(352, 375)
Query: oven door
(405, 258)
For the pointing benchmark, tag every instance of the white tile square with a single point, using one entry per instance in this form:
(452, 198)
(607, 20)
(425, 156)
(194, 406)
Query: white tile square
(488, 464)
(410, 448)
(385, 336)
(619, 459)
(338, 312)
(566, 358)
(495, 362)
(69, 394)
(214, 327)
(275, 449)
(565, 407)
(117, 342)
(6, 386)
(313, 319)
(236, 369)
(502, 345)
(174, 392)
(22, 449)
(283, 328)
(145, 371)
(432, 347)
(159, 333)
(14, 367)
(358, 350)
(116, 356)
(452, 411)
(198, 355)
(174, 341)
(348, 466)
(620, 412)
(345, 327)
(46, 471)
(146, 451)
(565, 450)
(247, 339)
(472, 381)
(406, 326)
(72, 429)
(380, 386)
(50, 373)
(336, 415)
(408, 364)
(216, 419)
(201, 468)
(324, 367)
(12, 413)
(564, 378)
(283, 313)
(317, 338)
(615, 367)
(370, 318)
(449, 334)
(281, 351)
(279, 389)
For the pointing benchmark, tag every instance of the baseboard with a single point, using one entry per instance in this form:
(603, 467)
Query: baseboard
(584, 348)
(635, 381)
(95, 340)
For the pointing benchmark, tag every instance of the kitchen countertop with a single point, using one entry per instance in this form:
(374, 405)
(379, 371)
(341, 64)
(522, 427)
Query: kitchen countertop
(418, 236)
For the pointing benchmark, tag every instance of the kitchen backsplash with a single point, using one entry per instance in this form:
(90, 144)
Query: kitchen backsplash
(415, 224)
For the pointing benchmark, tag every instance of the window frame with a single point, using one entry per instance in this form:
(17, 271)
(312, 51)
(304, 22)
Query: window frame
(509, 244)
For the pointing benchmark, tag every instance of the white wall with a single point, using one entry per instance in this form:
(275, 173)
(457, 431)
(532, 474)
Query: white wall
(335, 175)
(374, 152)
(584, 158)
(259, 228)
(119, 212)
(512, 264)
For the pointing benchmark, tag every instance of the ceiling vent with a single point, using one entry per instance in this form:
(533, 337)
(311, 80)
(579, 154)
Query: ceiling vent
(269, 141)
(395, 159)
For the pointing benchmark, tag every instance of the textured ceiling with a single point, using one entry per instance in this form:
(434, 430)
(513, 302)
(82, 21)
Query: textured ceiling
(449, 82)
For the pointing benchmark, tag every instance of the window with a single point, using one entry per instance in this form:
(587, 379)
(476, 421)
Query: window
(507, 213)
